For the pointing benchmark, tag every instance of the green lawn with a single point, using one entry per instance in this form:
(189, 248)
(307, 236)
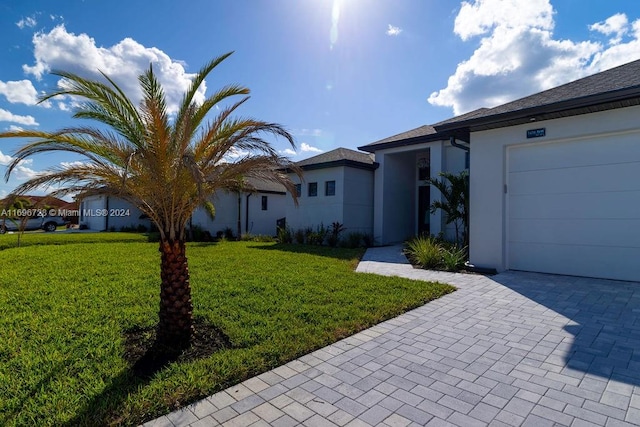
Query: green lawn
(65, 304)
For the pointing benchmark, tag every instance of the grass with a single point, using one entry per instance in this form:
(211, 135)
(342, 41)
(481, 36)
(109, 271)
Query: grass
(66, 302)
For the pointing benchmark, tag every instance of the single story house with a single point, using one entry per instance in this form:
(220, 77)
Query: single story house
(337, 186)
(554, 182)
(109, 213)
(258, 208)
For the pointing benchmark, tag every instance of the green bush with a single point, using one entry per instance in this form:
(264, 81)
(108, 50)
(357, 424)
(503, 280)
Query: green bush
(299, 236)
(285, 235)
(353, 240)
(424, 251)
(431, 253)
(453, 258)
(334, 234)
(247, 237)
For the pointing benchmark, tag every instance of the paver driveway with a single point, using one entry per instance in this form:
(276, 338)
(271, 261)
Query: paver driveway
(513, 349)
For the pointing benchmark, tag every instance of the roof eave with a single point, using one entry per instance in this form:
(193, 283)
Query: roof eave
(460, 134)
(572, 107)
(338, 163)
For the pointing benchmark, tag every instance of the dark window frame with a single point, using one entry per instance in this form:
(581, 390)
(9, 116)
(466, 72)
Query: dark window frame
(265, 203)
(327, 188)
(312, 189)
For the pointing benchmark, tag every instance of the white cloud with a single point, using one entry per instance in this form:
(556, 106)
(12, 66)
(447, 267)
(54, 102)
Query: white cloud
(75, 164)
(5, 159)
(23, 172)
(288, 152)
(29, 21)
(306, 148)
(616, 25)
(393, 31)
(7, 116)
(123, 62)
(234, 154)
(21, 91)
(518, 54)
(307, 132)
(62, 106)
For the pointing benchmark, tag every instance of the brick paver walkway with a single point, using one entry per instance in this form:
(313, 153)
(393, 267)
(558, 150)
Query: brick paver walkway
(516, 349)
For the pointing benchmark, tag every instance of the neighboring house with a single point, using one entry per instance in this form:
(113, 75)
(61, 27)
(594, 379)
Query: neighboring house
(554, 182)
(107, 213)
(259, 208)
(67, 210)
(337, 186)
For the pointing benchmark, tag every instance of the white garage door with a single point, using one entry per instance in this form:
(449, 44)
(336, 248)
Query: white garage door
(574, 207)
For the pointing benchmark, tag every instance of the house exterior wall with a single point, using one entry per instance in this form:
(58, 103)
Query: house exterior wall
(398, 193)
(94, 210)
(264, 221)
(358, 200)
(488, 175)
(88, 216)
(226, 205)
(321, 209)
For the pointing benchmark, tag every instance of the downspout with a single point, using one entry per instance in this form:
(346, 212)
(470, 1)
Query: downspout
(246, 218)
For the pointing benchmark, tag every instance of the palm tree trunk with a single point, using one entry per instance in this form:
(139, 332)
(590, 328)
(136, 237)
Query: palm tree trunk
(175, 324)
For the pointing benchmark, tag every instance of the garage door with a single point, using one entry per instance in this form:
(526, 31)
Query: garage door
(574, 207)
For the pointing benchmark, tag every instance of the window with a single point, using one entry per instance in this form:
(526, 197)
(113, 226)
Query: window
(313, 189)
(330, 188)
(264, 203)
(299, 190)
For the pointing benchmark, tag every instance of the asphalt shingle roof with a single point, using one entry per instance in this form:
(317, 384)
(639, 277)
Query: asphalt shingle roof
(337, 155)
(617, 83)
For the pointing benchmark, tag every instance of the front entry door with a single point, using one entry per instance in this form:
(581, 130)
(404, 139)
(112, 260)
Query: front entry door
(424, 217)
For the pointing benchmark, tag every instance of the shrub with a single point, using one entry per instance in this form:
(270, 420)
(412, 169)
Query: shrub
(317, 237)
(424, 251)
(299, 236)
(227, 233)
(334, 234)
(247, 237)
(285, 235)
(432, 253)
(353, 240)
(453, 258)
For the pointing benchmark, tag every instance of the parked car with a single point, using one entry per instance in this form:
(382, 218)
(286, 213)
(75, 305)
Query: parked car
(46, 223)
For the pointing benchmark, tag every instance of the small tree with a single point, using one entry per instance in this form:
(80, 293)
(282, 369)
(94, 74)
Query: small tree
(455, 201)
(165, 164)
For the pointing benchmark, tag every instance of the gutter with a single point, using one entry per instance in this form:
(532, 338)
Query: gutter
(452, 141)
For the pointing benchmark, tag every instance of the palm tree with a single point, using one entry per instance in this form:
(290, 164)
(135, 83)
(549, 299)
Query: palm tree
(166, 165)
(455, 201)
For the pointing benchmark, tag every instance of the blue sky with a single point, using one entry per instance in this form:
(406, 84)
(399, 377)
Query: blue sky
(335, 73)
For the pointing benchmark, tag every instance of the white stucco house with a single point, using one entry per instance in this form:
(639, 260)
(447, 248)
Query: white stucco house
(337, 186)
(109, 213)
(258, 208)
(554, 178)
